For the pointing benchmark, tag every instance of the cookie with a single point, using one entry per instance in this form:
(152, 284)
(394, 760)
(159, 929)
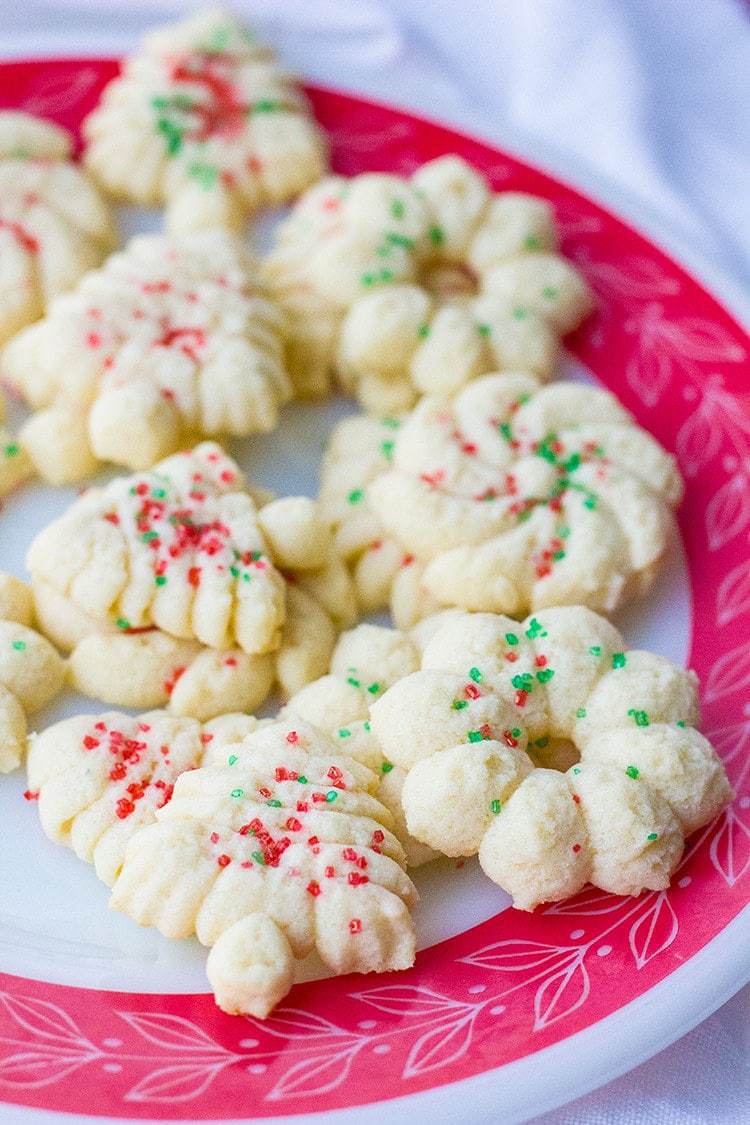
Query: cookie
(31, 671)
(15, 463)
(491, 694)
(202, 599)
(171, 339)
(279, 850)
(365, 663)
(204, 120)
(53, 224)
(417, 286)
(510, 497)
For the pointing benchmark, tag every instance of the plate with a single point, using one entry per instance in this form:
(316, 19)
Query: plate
(506, 1009)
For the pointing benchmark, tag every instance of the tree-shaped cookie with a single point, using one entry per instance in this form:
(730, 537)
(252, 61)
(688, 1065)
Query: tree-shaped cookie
(31, 671)
(559, 686)
(204, 598)
(510, 497)
(53, 224)
(172, 339)
(205, 120)
(278, 851)
(416, 286)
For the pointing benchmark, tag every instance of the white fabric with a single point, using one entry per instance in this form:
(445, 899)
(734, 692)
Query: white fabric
(649, 102)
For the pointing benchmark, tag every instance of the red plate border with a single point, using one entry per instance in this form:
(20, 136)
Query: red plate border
(515, 984)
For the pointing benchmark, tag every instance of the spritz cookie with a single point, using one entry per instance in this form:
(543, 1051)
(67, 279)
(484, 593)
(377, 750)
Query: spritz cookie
(172, 339)
(416, 286)
(53, 224)
(204, 120)
(365, 663)
(31, 671)
(508, 498)
(494, 697)
(279, 850)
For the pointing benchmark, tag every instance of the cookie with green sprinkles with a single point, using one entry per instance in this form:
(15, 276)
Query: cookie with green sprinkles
(422, 280)
(204, 119)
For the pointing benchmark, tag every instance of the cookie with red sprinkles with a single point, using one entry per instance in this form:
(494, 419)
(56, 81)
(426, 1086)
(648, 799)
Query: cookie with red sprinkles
(492, 695)
(204, 119)
(172, 339)
(278, 850)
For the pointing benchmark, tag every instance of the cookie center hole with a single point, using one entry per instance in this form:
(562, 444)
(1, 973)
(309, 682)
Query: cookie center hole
(450, 281)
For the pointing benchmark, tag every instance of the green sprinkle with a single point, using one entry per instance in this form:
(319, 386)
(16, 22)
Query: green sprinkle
(274, 804)
(423, 331)
(475, 675)
(391, 423)
(544, 449)
(511, 638)
(641, 717)
(590, 502)
(232, 759)
(573, 463)
(596, 650)
(149, 535)
(12, 450)
(633, 771)
(239, 793)
(344, 733)
(544, 675)
(158, 493)
(475, 736)
(535, 629)
(506, 431)
(122, 623)
(400, 240)
(549, 292)
(367, 279)
(19, 646)
(558, 555)
(266, 105)
(353, 681)
(531, 242)
(563, 532)
(398, 209)
(495, 806)
(619, 660)
(516, 732)
(436, 236)
(484, 330)
(653, 836)
(459, 704)
(259, 858)
(331, 796)
(581, 713)
(246, 577)
(373, 688)
(161, 580)
(576, 769)
(542, 742)
(681, 723)
(367, 726)
(520, 314)
(356, 495)
(386, 767)
(302, 779)
(205, 174)
(386, 448)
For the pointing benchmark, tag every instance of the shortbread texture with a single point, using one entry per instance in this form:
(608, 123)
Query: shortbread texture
(15, 463)
(494, 697)
(31, 671)
(275, 851)
(509, 497)
(204, 120)
(172, 339)
(175, 587)
(365, 663)
(402, 287)
(54, 226)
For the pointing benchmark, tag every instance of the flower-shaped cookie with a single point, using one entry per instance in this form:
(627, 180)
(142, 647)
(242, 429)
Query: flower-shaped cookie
(365, 663)
(171, 339)
(31, 671)
(99, 778)
(278, 850)
(507, 498)
(53, 224)
(409, 286)
(559, 684)
(204, 120)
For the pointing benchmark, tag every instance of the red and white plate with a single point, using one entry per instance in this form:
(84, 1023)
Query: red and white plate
(503, 1011)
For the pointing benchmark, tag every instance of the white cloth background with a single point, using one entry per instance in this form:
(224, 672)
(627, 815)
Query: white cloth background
(646, 100)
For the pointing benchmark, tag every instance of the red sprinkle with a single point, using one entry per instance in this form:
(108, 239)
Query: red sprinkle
(313, 888)
(355, 926)
(31, 795)
(223, 860)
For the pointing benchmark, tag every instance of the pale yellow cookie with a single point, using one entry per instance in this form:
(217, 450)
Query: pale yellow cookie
(172, 338)
(279, 850)
(510, 497)
(205, 120)
(31, 671)
(53, 224)
(417, 286)
(494, 696)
